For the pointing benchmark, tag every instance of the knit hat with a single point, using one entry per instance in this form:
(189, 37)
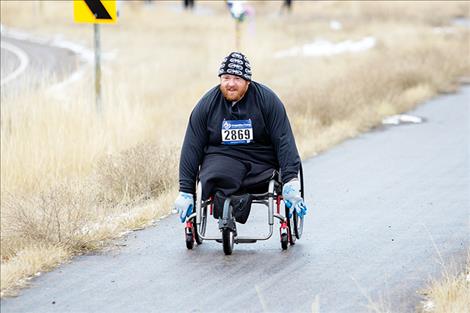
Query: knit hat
(236, 64)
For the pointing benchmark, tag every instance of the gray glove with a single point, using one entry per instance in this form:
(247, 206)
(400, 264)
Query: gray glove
(293, 199)
(184, 205)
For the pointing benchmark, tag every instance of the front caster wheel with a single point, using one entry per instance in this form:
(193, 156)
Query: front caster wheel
(189, 238)
(284, 241)
(227, 241)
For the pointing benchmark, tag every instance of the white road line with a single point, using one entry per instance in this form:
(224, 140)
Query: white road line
(22, 56)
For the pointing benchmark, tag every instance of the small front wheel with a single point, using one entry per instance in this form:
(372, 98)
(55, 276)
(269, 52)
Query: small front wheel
(227, 240)
(189, 241)
(284, 241)
(189, 235)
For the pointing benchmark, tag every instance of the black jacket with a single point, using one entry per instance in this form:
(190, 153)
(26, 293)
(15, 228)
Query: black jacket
(273, 142)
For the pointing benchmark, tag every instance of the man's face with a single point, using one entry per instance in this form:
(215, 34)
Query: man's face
(233, 87)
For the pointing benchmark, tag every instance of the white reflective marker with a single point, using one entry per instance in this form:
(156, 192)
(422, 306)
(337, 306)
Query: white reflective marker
(22, 56)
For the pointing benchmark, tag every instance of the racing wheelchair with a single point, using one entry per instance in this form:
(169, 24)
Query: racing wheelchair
(291, 228)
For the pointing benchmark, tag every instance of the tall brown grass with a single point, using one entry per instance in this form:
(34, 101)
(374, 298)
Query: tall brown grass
(72, 178)
(451, 292)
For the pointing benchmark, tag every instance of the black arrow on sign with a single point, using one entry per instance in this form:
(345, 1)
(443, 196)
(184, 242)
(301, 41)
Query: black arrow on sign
(98, 9)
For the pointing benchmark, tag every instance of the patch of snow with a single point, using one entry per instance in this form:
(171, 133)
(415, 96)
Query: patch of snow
(462, 21)
(336, 25)
(83, 52)
(323, 47)
(401, 119)
(428, 306)
(444, 30)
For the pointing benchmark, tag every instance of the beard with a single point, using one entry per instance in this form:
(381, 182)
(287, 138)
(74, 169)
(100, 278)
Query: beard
(233, 94)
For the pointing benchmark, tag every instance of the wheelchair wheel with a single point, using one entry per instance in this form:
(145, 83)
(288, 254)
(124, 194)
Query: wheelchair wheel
(292, 237)
(228, 241)
(298, 225)
(202, 226)
(299, 222)
(189, 238)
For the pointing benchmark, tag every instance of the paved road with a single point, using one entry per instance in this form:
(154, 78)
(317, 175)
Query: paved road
(36, 63)
(383, 203)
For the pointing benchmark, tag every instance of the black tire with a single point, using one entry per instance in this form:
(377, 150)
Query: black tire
(298, 225)
(189, 240)
(299, 222)
(202, 226)
(290, 224)
(228, 241)
(284, 241)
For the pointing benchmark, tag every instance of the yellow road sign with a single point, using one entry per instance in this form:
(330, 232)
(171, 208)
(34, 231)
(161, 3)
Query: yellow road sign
(95, 11)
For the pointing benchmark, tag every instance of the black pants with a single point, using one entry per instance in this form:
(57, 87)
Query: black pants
(222, 176)
(232, 176)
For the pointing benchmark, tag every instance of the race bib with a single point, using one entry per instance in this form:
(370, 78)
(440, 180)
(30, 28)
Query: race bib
(237, 132)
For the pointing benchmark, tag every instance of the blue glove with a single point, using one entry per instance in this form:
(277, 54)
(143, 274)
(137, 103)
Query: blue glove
(293, 199)
(184, 205)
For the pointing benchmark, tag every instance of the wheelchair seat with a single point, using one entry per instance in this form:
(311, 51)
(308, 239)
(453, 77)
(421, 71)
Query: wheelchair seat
(260, 183)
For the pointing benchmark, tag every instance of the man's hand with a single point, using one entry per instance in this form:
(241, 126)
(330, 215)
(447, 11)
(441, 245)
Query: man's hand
(184, 205)
(293, 199)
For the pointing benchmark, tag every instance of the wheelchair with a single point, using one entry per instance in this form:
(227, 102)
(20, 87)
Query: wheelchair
(290, 230)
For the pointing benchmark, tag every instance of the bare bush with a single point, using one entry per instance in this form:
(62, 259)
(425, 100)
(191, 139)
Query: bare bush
(141, 172)
(55, 217)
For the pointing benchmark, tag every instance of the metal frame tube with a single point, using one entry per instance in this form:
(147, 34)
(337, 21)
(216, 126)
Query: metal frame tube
(269, 203)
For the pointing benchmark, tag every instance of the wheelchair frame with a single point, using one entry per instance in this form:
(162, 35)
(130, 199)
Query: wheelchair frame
(291, 228)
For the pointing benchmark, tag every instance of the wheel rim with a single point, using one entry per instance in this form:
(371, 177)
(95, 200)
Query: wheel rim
(202, 228)
(290, 224)
(298, 225)
(231, 240)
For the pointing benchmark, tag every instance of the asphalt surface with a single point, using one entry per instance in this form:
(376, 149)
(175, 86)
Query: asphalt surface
(45, 63)
(384, 208)
(9, 62)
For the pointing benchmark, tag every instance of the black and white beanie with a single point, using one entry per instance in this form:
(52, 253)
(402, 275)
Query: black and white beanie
(236, 64)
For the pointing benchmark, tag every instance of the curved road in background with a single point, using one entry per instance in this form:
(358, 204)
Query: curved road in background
(26, 64)
(385, 207)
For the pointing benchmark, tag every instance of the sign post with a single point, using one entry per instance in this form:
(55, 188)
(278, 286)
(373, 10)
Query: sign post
(97, 67)
(96, 12)
(238, 12)
(237, 34)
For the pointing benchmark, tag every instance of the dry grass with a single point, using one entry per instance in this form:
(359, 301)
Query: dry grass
(451, 293)
(30, 262)
(70, 179)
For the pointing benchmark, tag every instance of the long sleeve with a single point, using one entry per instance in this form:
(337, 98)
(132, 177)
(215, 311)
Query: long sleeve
(282, 137)
(192, 151)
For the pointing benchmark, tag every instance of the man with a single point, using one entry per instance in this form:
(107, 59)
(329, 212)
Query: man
(238, 135)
